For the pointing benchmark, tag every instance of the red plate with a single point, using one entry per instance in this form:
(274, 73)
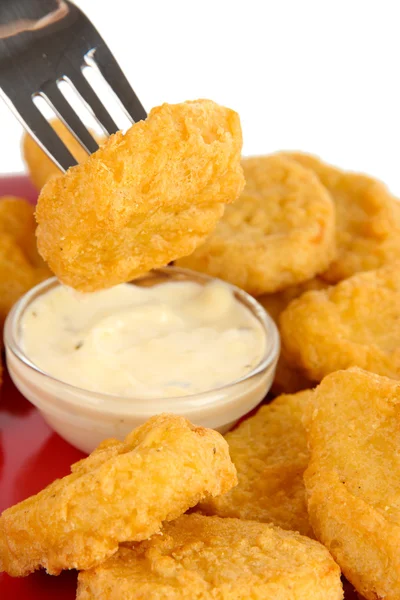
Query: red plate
(31, 456)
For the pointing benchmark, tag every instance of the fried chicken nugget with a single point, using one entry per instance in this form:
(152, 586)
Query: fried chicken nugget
(288, 379)
(21, 267)
(269, 451)
(16, 275)
(144, 198)
(368, 219)
(17, 219)
(122, 491)
(353, 478)
(355, 323)
(209, 558)
(280, 232)
(40, 166)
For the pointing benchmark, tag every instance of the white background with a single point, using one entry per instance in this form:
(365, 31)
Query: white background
(315, 75)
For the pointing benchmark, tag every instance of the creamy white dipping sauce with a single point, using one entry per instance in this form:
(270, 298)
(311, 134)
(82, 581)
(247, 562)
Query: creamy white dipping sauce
(171, 339)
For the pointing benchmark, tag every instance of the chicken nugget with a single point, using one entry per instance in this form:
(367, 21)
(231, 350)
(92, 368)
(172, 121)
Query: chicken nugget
(21, 267)
(280, 232)
(269, 451)
(40, 166)
(17, 219)
(209, 558)
(355, 323)
(122, 491)
(288, 379)
(368, 219)
(144, 198)
(353, 478)
(17, 275)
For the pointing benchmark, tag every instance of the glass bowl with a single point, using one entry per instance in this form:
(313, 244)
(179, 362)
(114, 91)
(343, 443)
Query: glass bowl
(84, 418)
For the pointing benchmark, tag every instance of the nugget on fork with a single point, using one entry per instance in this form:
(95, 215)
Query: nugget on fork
(144, 198)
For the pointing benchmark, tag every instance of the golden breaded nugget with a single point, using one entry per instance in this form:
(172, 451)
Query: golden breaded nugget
(355, 323)
(288, 379)
(280, 232)
(21, 267)
(368, 219)
(17, 275)
(17, 219)
(40, 166)
(208, 558)
(269, 451)
(353, 479)
(122, 491)
(144, 198)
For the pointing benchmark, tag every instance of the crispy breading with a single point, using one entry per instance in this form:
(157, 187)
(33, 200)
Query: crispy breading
(288, 379)
(209, 558)
(353, 478)
(144, 198)
(21, 267)
(368, 219)
(280, 232)
(122, 491)
(355, 323)
(40, 166)
(269, 451)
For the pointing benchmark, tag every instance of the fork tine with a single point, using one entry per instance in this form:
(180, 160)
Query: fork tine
(43, 133)
(90, 98)
(104, 61)
(68, 116)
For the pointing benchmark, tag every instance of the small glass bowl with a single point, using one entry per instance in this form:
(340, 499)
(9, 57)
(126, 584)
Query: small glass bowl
(84, 418)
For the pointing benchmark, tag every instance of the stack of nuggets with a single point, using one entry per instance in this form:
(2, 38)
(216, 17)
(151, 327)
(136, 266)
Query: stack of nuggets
(122, 492)
(110, 516)
(320, 248)
(326, 462)
(136, 490)
(341, 316)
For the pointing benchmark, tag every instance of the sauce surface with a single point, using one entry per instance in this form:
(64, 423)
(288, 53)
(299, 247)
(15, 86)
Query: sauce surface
(171, 339)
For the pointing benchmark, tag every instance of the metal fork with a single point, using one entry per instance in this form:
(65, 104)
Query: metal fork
(44, 42)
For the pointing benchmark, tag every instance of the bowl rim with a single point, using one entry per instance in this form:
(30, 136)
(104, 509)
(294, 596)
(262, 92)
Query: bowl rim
(12, 340)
